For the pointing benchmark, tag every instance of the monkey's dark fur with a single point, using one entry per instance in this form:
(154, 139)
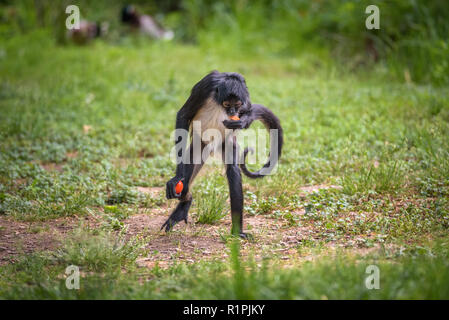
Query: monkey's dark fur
(225, 94)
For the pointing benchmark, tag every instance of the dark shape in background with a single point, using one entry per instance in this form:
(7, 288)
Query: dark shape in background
(412, 40)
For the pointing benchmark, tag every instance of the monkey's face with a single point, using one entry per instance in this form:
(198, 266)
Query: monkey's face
(232, 106)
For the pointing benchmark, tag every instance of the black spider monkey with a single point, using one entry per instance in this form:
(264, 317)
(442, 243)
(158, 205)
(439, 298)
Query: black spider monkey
(212, 101)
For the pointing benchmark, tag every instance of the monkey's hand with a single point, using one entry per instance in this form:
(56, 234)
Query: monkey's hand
(233, 124)
(170, 191)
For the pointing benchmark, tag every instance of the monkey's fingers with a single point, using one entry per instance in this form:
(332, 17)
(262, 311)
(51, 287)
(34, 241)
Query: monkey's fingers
(163, 225)
(169, 191)
(168, 224)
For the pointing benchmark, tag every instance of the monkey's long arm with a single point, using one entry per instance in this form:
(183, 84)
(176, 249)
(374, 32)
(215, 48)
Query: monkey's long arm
(200, 92)
(262, 113)
(183, 119)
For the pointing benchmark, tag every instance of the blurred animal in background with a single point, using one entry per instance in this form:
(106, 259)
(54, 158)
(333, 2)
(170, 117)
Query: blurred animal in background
(87, 31)
(145, 23)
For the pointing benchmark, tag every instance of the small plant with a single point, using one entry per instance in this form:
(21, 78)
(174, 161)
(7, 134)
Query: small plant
(113, 223)
(210, 200)
(292, 219)
(118, 212)
(98, 252)
(387, 177)
(259, 205)
(211, 205)
(123, 195)
(325, 203)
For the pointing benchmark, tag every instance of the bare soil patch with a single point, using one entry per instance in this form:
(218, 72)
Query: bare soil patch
(18, 237)
(274, 237)
(314, 188)
(152, 191)
(50, 166)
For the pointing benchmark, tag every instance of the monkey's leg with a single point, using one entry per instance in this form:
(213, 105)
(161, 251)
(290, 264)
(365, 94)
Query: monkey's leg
(235, 190)
(236, 194)
(182, 209)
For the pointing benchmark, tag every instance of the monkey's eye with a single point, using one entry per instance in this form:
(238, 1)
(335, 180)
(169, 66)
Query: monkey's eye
(239, 104)
(226, 104)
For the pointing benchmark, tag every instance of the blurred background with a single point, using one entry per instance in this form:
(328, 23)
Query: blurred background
(411, 45)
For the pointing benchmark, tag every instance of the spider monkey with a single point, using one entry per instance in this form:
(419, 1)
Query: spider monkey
(213, 100)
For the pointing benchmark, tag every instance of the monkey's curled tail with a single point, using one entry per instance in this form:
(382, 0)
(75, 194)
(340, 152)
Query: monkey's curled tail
(270, 121)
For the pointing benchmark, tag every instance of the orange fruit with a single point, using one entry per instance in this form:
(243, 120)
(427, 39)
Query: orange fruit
(179, 186)
(235, 118)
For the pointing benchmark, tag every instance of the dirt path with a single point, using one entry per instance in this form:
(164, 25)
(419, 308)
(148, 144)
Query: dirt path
(187, 242)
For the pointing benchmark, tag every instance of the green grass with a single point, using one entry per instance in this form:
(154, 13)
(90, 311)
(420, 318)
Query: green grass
(98, 252)
(383, 141)
(414, 273)
(211, 201)
(384, 178)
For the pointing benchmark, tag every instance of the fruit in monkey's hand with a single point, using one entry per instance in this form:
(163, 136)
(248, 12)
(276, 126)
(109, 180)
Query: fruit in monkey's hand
(179, 186)
(235, 118)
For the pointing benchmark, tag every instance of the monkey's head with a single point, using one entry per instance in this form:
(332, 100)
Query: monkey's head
(232, 93)
(232, 105)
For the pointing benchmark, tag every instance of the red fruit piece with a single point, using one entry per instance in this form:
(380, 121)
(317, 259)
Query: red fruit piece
(235, 118)
(179, 186)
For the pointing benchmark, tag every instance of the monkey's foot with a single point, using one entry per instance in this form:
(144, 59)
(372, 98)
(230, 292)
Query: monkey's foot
(171, 222)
